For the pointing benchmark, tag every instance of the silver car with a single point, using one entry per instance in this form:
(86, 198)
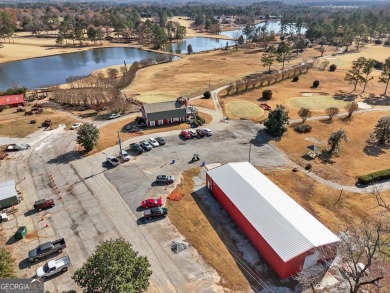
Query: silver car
(146, 145)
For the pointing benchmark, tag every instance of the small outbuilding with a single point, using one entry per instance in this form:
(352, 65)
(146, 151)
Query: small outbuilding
(285, 234)
(12, 100)
(8, 194)
(164, 113)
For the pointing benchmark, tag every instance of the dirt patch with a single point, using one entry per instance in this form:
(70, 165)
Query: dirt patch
(243, 109)
(356, 157)
(14, 124)
(191, 222)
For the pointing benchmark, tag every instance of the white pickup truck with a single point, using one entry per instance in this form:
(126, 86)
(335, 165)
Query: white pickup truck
(53, 267)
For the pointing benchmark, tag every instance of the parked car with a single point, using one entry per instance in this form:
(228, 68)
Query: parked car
(75, 125)
(112, 161)
(208, 131)
(161, 140)
(265, 106)
(193, 133)
(125, 156)
(153, 142)
(43, 204)
(165, 179)
(185, 134)
(201, 132)
(21, 232)
(114, 115)
(152, 203)
(136, 148)
(53, 267)
(157, 212)
(46, 249)
(146, 145)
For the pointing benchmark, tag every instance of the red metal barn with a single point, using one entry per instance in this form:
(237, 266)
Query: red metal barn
(12, 100)
(285, 234)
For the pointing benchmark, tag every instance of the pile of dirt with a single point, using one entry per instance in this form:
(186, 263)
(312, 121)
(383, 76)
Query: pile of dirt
(175, 195)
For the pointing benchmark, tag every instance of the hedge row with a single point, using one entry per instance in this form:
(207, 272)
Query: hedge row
(372, 177)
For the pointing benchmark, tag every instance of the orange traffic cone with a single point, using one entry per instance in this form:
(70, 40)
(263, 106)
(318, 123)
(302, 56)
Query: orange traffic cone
(47, 225)
(42, 219)
(60, 197)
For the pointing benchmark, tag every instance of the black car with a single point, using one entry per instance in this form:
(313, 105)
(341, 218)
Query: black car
(136, 148)
(161, 140)
(201, 132)
(155, 213)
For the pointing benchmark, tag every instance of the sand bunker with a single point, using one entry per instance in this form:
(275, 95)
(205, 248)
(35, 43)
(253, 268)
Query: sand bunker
(311, 94)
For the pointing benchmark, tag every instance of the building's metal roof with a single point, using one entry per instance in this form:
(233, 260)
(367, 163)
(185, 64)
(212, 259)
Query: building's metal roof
(287, 227)
(165, 110)
(7, 189)
(12, 99)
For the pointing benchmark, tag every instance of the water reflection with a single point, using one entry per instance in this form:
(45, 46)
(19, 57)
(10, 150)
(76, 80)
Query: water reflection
(52, 70)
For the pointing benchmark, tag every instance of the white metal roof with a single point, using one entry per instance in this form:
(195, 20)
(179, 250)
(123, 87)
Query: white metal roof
(7, 189)
(287, 227)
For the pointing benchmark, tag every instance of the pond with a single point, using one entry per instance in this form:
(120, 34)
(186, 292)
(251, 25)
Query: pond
(53, 70)
(198, 44)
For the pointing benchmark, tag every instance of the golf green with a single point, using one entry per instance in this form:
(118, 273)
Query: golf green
(244, 109)
(316, 102)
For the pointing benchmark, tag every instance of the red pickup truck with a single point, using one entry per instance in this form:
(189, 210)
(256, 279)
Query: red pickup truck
(43, 204)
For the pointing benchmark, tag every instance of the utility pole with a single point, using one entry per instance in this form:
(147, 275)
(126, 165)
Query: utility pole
(120, 143)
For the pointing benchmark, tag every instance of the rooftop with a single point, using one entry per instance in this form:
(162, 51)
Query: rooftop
(287, 227)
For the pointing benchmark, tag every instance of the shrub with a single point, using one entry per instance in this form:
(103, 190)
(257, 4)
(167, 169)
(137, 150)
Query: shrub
(267, 94)
(295, 78)
(332, 67)
(378, 65)
(207, 95)
(378, 42)
(372, 177)
(302, 128)
(387, 42)
(316, 83)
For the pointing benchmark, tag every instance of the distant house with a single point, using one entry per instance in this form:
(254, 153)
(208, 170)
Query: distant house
(12, 101)
(165, 112)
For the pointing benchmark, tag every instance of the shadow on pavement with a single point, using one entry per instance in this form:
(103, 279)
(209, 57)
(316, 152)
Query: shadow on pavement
(65, 158)
(30, 212)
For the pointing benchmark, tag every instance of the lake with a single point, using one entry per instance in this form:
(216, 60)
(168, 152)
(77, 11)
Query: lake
(53, 70)
(198, 44)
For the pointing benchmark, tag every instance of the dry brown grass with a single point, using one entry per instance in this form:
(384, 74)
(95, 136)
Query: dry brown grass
(191, 222)
(14, 124)
(356, 157)
(320, 200)
(192, 74)
(205, 103)
(108, 134)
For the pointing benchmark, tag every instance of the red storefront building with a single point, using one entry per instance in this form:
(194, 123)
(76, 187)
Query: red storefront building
(284, 233)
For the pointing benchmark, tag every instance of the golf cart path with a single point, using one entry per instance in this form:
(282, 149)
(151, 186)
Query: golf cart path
(367, 189)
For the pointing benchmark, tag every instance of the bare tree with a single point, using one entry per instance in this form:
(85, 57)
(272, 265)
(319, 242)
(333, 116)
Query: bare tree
(112, 72)
(335, 140)
(229, 89)
(362, 253)
(331, 112)
(351, 107)
(304, 113)
(118, 104)
(310, 277)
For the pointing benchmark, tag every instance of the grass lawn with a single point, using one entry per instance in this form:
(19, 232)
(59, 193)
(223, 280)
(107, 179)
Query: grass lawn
(243, 109)
(192, 223)
(356, 157)
(317, 103)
